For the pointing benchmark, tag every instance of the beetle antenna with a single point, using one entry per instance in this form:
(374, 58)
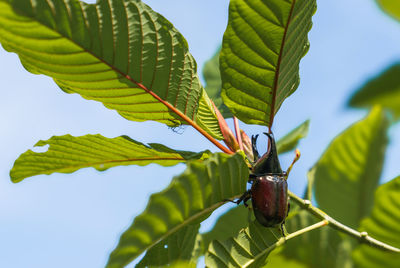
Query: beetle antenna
(297, 156)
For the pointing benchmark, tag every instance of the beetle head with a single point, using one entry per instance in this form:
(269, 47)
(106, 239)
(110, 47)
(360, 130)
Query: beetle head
(269, 162)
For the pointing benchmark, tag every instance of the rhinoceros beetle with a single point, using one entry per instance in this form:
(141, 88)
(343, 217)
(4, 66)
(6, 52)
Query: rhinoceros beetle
(269, 190)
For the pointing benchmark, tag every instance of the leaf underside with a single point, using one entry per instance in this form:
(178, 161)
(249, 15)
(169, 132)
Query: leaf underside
(291, 140)
(391, 7)
(189, 199)
(212, 77)
(260, 56)
(382, 224)
(348, 172)
(382, 90)
(120, 53)
(249, 248)
(67, 154)
(179, 246)
(315, 249)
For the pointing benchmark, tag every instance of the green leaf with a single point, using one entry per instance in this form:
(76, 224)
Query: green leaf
(291, 140)
(249, 248)
(178, 246)
(318, 248)
(382, 90)
(67, 154)
(382, 224)
(348, 172)
(182, 264)
(260, 56)
(227, 225)
(189, 199)
(212, 76)
(391, 7)
(120, 53)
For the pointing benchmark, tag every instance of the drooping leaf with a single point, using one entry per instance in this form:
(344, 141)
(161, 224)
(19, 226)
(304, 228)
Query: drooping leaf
(189, 199)
(391, 7)
(318, 248)
(227, 225)
(289, 142)
(382, 90)
(212, 76)
(261, 51)
(249, 248)
(120, 53)
(382, 224)
(179, 246)
(348, 172)
(67, 154)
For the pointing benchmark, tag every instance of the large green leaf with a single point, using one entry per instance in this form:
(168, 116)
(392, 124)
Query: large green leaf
(384, 225)
(391, 7)
(212, 76)
(249, 248)
(179, 246)
(319, 248)
(189, 199)
(291, 140)
(120, 53)
(67, 154)
(261, 51)
(348, 172)
(227, 225)
(382, 90)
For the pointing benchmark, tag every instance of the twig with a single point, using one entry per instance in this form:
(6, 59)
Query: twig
(362, 237)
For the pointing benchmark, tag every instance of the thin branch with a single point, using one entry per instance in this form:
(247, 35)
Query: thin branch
(362, 237)
(237, 132)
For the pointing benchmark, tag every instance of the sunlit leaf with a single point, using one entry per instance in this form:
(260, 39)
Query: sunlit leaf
(261, 51)
(249, 248)
(348, 172)
(189, 199)
(391, 7)
(212, 76)
(178, 246)
(120, 53)
(382, 224)
(382, 90)
(291, 140)
(67, 154)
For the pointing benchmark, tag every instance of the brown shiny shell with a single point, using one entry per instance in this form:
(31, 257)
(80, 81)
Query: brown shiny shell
(269, 195)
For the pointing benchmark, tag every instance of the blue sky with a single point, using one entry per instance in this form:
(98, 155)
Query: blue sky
(74, 220)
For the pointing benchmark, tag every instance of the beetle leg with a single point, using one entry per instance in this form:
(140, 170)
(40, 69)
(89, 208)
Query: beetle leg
(283, 229)
(296, 157)
(252, 178)
(244, 198)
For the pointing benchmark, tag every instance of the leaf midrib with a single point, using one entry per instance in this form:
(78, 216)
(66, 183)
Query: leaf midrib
(278, 66)
(91, 164)
(129, 78)
(179, 226)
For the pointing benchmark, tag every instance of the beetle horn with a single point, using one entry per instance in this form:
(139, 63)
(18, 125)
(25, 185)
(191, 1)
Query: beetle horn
(256, 155)
(269, 162)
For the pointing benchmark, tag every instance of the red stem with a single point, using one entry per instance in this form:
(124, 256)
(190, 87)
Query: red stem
(184, 117)
(237, 131)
